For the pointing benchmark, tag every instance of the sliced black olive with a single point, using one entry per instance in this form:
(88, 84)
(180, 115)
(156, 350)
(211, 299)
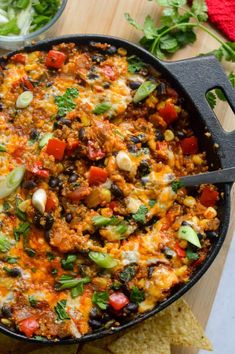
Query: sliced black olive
(1, 106)
(92, 76)
(34, 134)
(13, 272)
(159, 135)
(60, 122)
(161, 89)
(47, 236)
(82, 134)
(143, 168)
(131, 307)
(6, 311)
(106, 85)
(97, 58)
(73, 178)
(185, 223)
(68, 217)
(212, 235)
(95, 324)
(180, 134)
(54, 182)
(134, 85)
(95, 313)
(111, 50)
(37, 221)
(29, 184)
(116, 191)
(49, 221)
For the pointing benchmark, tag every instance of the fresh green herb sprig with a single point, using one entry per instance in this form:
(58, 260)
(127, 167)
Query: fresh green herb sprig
(175, 30)
(100, 298)
(140, 215)
(65, 102)
(60, 310)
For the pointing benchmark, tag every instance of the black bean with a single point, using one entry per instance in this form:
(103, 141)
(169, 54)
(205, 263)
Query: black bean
(47, 235)
(212, 235)
(161, 89)
(82, 134)
(106, 85)
(49, 221)
(125, 290)
(116, 191)
(111, 50)
(134, 85)
(135, 139)
(34, 134)
(1, 106)
(143, 168)
(54, 182)
(29, 184)
(150, 271)
(132, 148)
(62, 121)
(14, 272)
(68, 217)
(185, 223)
(180, 134)
(69, 170)
(169, 252)
(106, 317)
(92, 76)
(37, 221)
(49, 83)
(73, 178)
(95, 313)
(6, 311)
(132, 307)
(97, 58)
(94, 324)
(159, 135)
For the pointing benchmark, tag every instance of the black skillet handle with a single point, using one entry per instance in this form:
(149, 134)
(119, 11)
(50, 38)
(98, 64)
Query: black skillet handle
(197, 76)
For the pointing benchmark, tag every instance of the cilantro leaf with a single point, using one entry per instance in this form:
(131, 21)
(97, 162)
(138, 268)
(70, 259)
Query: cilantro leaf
(65, 102)
(199, 8)
(140, 215)
(133, 22)
(100, 298)
(68, 263)
(134, 64)
(22, 229)
(128, 273)
(192, 256)
(60, 310)
(136, 295)
(211, 99)
(175, 185)
(32, 300)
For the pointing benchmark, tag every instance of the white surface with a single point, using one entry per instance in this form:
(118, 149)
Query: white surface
(221, 326)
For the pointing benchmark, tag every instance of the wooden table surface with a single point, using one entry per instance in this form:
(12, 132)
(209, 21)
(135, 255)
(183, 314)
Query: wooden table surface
(107, 17)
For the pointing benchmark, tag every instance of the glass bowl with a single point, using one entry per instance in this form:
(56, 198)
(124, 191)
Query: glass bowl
(17, 42)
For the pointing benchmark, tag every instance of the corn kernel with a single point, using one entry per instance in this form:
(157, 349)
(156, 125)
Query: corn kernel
(210, 213)
(189, 202)
(122, 51)
(169, 135)
(180, 271)
(105, 195)
(183, 244)
(197, 160)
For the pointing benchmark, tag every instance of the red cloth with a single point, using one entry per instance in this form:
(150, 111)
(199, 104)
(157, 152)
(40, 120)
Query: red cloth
(222, 14)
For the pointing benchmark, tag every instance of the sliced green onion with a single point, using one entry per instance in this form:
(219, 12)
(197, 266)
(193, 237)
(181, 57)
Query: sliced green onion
(45, 140)
(24, 99)
(100, 221)
(4, 243)
(187, 233)
(103, 260)
(2, 148)
(102, 108)
(10, 182)
(67, 282)
(144, 91)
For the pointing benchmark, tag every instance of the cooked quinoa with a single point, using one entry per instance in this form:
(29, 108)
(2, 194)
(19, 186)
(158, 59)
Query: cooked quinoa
(95, 228)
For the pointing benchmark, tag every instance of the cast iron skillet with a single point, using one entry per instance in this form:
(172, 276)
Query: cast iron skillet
(192, 78)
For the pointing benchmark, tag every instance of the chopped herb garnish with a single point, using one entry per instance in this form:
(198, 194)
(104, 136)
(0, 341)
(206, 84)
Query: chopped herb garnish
(32, 300)
(4, 243)
(30, 252)
(68, 281)
(152, 202)
(54, 271)
(11, 260)
(128, 273)
(22, 229)
(134, 64)
(176, 185)
(192, 256)
(2, 148)
(100, 221)
(136, 295)
(20, 214)
(6, 206)
(102, 108)
(50, 256)
(60, 310)
(77, 291)
(65, 102)
(68, 263)
(140, 216)
(100, 298)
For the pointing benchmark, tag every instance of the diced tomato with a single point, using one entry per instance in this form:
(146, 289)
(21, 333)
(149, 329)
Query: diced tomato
(118, 300)
(71, 147)
(55, 59)
(189, 145)
(209, 197)
(97, 176)
(168, 113)
(109, 72)
(19, 58)
(93, 152)
(56, 148)
(18, 152)
(78, 194)
(29, 326)
(113, 204)
(50, 204)
(180, 251)
(161, 145)
(37, 169)
(27, 83)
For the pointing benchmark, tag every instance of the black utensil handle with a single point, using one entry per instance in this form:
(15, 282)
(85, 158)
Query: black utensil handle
(225, 175)
(197, 76)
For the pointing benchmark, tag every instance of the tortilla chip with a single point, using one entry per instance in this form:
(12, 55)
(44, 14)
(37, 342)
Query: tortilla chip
(90, 349)
(151, 337)
(104, 342)
(185, 328)
(63, 349)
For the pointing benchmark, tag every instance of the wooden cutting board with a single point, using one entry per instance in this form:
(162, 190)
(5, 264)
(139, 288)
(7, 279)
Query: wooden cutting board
(107, 17)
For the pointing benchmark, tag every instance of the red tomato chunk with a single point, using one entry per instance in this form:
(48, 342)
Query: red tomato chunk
(29, 326)
(19, 58)
(189, 145)
(56, 148)
(97, 176)
(118, 300)
(168, 113)
(55, 59)
(209, 197)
